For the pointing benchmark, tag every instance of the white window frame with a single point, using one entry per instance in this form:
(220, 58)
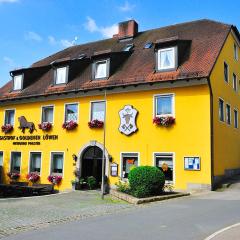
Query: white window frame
(224, 117)
(91, 103)
(158, 60)
(46, 106)
(121, 161)
(3, 157)
(10, 109)
(227, 72)
(10, 162)
(17, 75)
(29, 161)
(235, 51)
(236, 82)
(235, 119)
(174, 166)
(65, 105)
(50, 167)
(155, 104)
(56, 73)
(230, 115)
(107, 61)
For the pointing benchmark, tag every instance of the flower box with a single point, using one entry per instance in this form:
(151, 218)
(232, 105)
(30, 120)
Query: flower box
(55, 179)
(69, 125)
(96, 124)
(45, 126)
(7, 128)
(13, 175)
(33, 177)
(164, 121)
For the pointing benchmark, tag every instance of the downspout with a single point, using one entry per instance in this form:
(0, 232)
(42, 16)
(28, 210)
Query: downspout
(211, 135)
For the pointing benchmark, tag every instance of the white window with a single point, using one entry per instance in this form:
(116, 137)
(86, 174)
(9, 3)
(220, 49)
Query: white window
(1, 158)
(71, 112)
(164, 161)
(234, 82)
(98, 110)
(228, 114)
(9, 117)
(164, 105)
(225, 72)
(166, 58)
(235, 118)
(221, 110)
(57, 163)
(101, 69)
(15, 162)
(61, 75)
(17, 82)
(47, 114)
(235, 48)
(129, 161)
(35, 162)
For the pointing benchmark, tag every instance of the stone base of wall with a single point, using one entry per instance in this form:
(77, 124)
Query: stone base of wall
(195, 187)
(218, 180)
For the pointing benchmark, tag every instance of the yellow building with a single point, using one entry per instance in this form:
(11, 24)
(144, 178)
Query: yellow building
(170, 97)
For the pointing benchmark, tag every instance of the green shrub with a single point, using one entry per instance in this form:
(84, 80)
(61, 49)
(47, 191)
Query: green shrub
(92, 183)
(146, 181)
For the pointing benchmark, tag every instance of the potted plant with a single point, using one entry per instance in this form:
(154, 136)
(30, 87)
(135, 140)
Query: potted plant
(7, 128)
(74, 183)
(96, 124)
(69, 125)
(164, 121)
(91, 182)
(55, 179)
(13, 176)
(46, 126)
(33, 177)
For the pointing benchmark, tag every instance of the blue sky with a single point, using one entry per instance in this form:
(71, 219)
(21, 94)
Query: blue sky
(33, 29)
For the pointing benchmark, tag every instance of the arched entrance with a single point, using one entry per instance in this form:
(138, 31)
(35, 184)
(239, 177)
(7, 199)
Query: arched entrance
(92, 163)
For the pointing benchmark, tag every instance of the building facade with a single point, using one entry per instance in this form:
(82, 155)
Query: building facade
(167, 97)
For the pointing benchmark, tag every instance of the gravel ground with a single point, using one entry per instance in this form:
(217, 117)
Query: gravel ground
(23, 214)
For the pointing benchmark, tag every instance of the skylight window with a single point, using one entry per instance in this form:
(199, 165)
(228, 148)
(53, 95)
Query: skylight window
(167, 59)
(148, 45)
(17, 82)
(128, 47)
(61, 75)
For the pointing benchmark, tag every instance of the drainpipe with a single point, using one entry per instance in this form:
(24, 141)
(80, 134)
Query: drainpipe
(104, 147)
(211, 132)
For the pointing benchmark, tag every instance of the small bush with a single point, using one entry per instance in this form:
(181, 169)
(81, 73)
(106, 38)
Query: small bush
(146, 181)
(123, 187)
(92, 183)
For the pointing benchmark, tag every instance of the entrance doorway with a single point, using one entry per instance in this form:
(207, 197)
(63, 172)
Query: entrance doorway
(92, 163)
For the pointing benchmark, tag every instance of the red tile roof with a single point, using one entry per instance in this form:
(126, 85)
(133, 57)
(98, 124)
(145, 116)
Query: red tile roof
(201, 43)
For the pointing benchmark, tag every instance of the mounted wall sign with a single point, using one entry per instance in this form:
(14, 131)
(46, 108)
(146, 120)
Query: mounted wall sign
(192, 163)
(25, 124)
(128, 120)
(114, 169)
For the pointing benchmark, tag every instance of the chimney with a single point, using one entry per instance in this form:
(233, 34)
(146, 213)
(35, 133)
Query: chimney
(127, 29)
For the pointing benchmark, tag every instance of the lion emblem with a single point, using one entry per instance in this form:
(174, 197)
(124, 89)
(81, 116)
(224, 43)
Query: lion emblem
(25, 124)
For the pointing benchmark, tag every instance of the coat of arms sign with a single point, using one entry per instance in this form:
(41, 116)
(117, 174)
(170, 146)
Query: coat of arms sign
(128, 120)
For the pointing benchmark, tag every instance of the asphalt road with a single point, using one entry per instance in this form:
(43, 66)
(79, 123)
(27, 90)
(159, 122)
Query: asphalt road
(194, 217)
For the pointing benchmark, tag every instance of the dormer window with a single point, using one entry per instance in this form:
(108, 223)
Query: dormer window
(17, 82)
(101, 69)
(61, 75)
(167, 59)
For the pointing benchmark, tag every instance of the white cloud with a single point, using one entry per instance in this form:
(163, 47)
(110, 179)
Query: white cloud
(8, 1)
(9, 61)
(66, 43)
(52, 40)
(127, 7)
(108, 31)
(33, 36)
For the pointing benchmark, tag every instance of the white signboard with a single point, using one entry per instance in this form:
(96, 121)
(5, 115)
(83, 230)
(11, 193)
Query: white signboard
(128, 120)
(192, 163)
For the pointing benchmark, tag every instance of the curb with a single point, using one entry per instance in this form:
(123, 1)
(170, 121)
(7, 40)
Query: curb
(134, 200)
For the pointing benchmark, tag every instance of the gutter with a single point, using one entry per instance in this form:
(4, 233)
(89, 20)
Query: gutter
(211, 135)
